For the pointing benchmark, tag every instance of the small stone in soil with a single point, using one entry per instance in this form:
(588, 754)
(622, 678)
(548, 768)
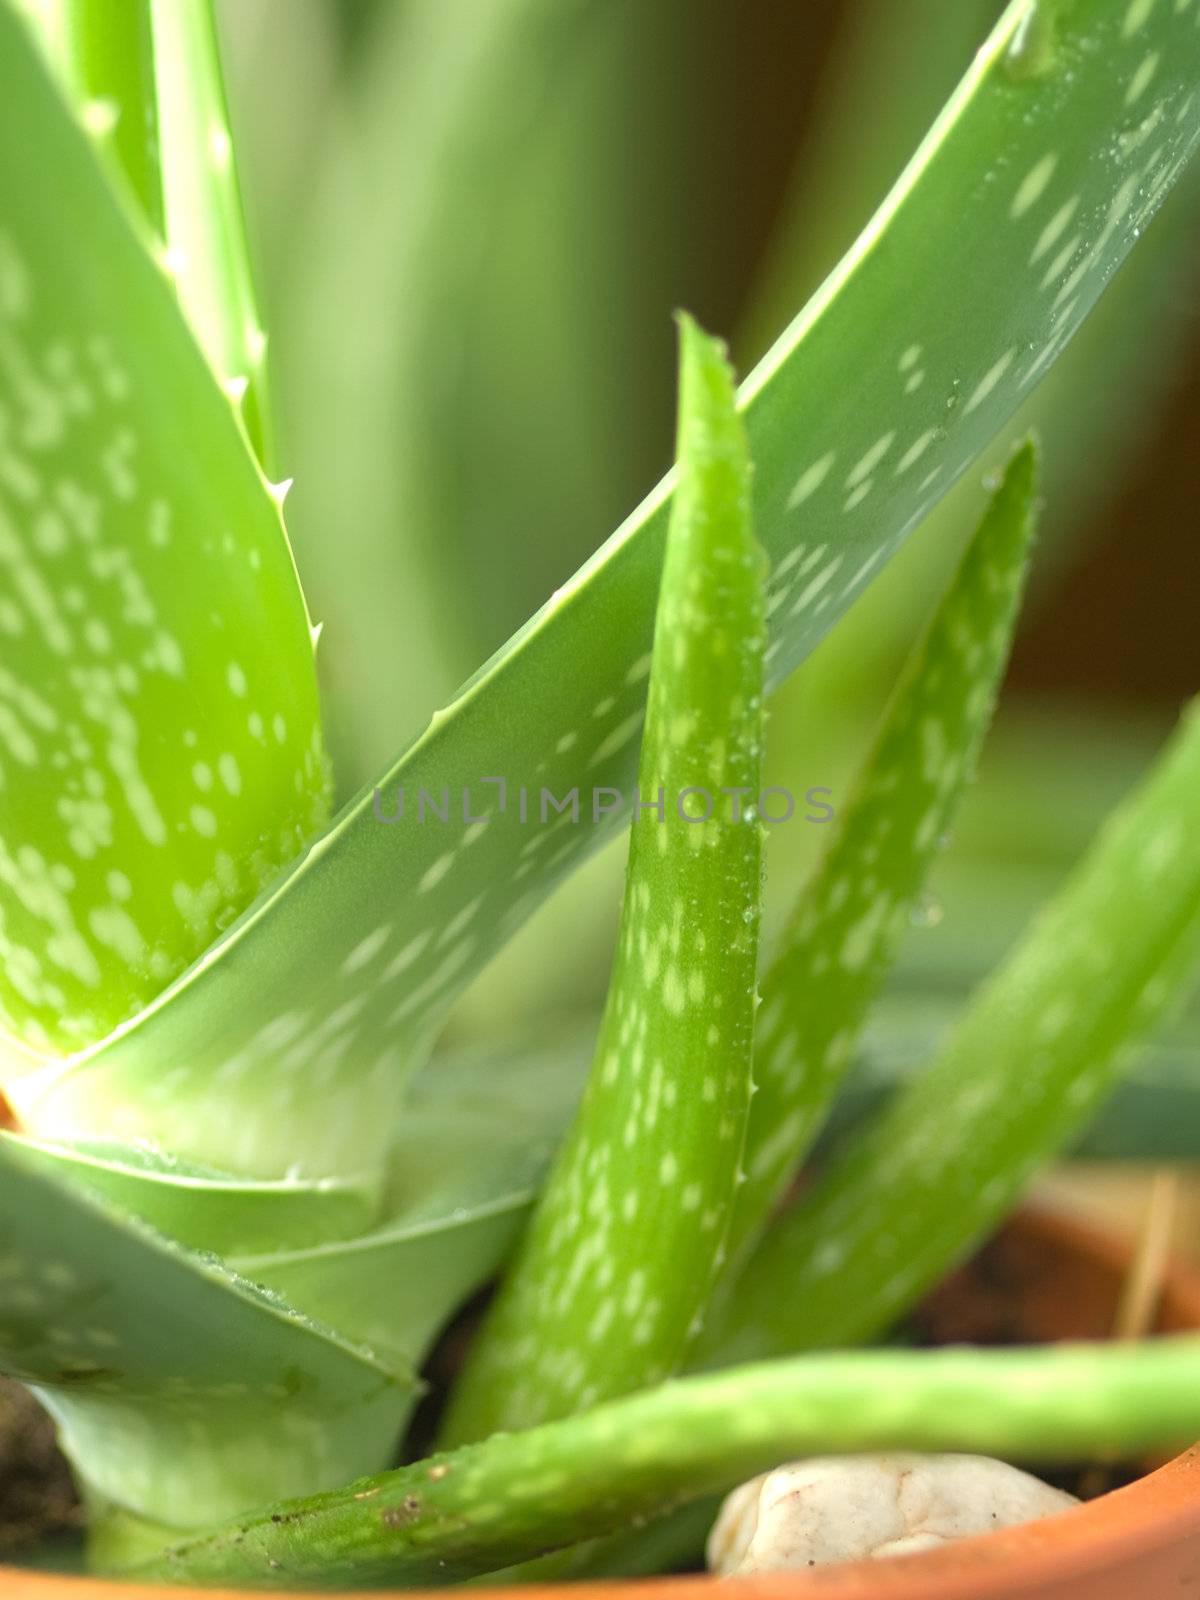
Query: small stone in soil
(852, 1508)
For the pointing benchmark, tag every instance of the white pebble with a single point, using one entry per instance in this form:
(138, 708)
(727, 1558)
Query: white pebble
(850, 1508)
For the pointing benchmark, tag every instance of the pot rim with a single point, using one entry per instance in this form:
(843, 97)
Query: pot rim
(1118, 1529)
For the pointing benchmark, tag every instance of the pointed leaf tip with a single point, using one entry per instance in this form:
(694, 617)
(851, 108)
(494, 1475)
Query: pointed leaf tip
(657, 1143)
(850, 917)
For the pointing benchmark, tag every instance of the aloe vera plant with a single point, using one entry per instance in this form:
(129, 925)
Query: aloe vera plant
(237, 1201)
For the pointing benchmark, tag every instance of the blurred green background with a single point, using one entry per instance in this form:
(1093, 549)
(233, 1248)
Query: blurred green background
(504, 200)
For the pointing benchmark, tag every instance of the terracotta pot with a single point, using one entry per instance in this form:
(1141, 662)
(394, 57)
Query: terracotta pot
(1046, 1276)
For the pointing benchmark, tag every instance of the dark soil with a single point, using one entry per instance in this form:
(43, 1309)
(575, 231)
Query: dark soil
(38, 1500)
(1011, 1292)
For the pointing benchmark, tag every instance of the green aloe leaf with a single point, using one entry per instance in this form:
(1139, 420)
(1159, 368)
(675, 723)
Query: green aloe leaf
(846, 926)
(205, 233)
(889, 384)
(891, 65)
(628, 1236)
(145, 78)
(462, 1177)
(106, 57)
(181, 1391)
(384, 1270)
(1093, 413)
(394, 1287)
(844, 930)
(474, 1142)
(470, 1153)
(209, 1210)
(893, 62)
(1032, 1058)
(513, 1496)
(1152, 1114)
(159, 737)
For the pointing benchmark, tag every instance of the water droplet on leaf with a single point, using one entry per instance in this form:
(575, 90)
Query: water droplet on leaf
(1030, 52)
(927, 912)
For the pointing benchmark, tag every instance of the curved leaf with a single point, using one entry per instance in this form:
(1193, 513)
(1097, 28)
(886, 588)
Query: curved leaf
(1034, 1054)
(84, 1260)
(468, 1159)
(160, 752)
(145, 79)
(208, 1210)
(628, 1236)
(516, 1495)
(395, 1287)
(848, 921)
(202, 208)
(106, 56)
(180, 1389)
(889, 384)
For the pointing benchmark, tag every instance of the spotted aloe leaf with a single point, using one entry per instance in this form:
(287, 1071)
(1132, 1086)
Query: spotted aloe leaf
(158, 714)
(145, 78)
(995, 243)
(515, 1495)
(105, 56)
(180, 1389)
(470, 1154)
(891, 65)
(202, 208)
(1092, 413)
(618, 1261)
(1153, 1113)
(845, 928)
(1033, 1056)
(333, 1291)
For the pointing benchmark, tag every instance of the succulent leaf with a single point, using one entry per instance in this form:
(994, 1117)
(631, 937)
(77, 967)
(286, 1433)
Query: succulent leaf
(85, 1253)
(202, 208)
(394, 1287)
(469, 1156)
(940, 320)
(1033, 1056)
(209, 1210)
(159, 734)
(844, 930)
(105, 54)
(145, 80)
(617, 1263)
(516, 1495)
(181, 1390)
